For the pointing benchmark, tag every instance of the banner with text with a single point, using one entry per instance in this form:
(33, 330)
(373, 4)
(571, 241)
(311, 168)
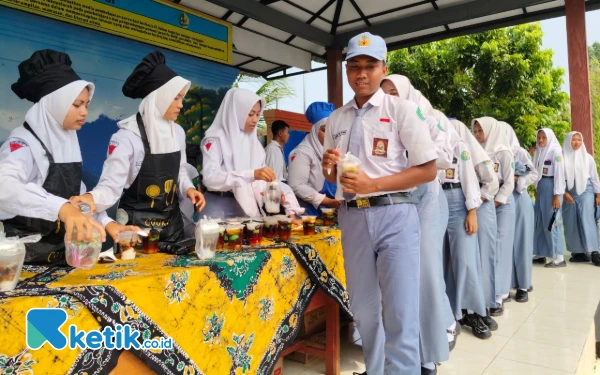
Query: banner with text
(154, 22)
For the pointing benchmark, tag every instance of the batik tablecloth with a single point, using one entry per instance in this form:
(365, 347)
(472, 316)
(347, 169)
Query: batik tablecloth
(233, 314)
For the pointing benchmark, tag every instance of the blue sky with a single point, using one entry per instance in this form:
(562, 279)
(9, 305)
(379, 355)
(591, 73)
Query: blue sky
(555, 38)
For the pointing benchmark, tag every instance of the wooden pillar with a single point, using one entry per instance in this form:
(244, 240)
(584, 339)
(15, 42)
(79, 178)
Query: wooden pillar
(579, 80)
(334, 77)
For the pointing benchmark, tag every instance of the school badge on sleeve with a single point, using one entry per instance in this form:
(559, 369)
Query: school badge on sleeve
(465, 156)
(380, 147)
(208, 143)
(558, 158)
(16, 144)
(112, 146)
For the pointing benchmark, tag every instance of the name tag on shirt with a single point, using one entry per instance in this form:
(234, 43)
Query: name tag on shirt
(450, 173)
(496, 167)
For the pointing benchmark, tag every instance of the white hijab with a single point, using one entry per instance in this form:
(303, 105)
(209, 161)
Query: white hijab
(453, 137)
(241, 151)
(161, 132)
(311, 141)
(511, 137)
(576, 164)
(46, 118)
(495, 136)
(540, 152)
(407, 91)
(478, 154)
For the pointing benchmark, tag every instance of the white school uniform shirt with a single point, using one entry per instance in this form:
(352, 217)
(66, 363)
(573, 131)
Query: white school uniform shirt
(215, 178)
(276, 161)
(554, 166)
(21, 185)
(593, 174)
(463, 172)
(524, 181)
(488, 180)
(390, 119)
(305, 176)
(505, 171)
(124, 160)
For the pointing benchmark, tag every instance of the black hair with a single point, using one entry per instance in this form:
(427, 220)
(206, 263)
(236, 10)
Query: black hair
(278, 126)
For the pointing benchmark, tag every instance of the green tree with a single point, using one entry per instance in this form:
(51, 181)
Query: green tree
(502, 73)
(594, 51)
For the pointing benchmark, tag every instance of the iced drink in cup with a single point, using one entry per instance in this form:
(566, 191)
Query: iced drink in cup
(308, 222)
(235, 235)
(207, 236)
(272, 197)
(150, 242)
(255, 232)
(285, 228)
(271, 228)
(349, 164)
(328, 215)
(221, 240)
(127, 243)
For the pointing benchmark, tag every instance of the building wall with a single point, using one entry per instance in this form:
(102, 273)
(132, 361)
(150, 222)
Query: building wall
(105, 60)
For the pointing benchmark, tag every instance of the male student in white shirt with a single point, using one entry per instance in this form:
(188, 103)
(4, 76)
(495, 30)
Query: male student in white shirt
(379, 222)
(274, 150)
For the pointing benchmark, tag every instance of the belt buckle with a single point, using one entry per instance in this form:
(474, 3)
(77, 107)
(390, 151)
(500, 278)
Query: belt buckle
(363, 203)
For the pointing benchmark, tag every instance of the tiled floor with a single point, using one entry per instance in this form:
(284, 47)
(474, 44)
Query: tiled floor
(543, 336)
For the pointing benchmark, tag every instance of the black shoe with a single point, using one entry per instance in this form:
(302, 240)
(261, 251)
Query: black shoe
(480, 330)
(530, 289)
(579, 258)
(498, 311)
(539, 261)
(490, 322)
(556, 265)
(426, 371)
(596, 258)
(454, 332)
(358, 373)
(522, 296)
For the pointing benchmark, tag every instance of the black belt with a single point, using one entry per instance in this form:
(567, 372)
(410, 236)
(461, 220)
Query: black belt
(547, 176)
(227, 194)
(382, 200)
(450, 185)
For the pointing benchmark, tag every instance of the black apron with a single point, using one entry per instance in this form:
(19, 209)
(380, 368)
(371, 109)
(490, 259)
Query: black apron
(63, 180)
(152, 200)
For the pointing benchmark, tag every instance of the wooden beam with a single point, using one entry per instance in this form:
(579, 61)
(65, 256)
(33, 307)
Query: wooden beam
(579, 80)
(334, 77)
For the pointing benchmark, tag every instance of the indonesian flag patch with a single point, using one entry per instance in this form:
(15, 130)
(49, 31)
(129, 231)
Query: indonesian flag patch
(293, 157)
(208, 143)
(112, 146)
(16, 144)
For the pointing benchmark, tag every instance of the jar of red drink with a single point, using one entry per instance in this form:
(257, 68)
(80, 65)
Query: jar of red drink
(235, 236)
(328, 215)
(309, 222)
(150, 242)
(271, 228)
(255, 231)
(221, 243)
(285, 228)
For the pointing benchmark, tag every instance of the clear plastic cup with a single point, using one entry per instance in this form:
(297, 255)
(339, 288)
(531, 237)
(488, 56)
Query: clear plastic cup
(150, 242)
(308, 223)
(328, 215)
(12, 257)
(271, 228)
(285, 228)
(207, 237)
(235, 236)
(127, 243)
(254, 231)
(272, 197)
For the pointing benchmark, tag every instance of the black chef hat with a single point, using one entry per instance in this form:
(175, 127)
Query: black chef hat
(44, 72)
(149, 75)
